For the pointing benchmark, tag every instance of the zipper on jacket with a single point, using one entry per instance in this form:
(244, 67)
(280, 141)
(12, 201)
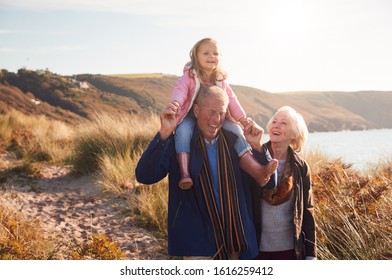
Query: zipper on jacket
(175, 217)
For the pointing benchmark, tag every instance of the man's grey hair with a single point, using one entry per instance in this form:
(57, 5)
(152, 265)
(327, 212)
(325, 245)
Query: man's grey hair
(213, 90)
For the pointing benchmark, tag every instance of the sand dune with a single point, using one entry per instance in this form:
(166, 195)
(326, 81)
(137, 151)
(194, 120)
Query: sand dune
(72, 208)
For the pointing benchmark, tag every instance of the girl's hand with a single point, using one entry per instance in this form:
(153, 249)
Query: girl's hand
(245, 121)
(176, 106)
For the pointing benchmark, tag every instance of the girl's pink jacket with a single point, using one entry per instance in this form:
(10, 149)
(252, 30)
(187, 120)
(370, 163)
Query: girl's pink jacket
(187, 87)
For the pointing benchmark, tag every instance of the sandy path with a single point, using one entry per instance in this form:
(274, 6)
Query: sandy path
(73, 208)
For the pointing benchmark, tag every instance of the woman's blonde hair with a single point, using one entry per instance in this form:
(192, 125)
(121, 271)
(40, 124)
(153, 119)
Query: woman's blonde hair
(217, 75)
(296, 125)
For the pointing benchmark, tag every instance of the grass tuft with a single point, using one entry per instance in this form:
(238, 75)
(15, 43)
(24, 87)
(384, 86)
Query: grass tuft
(353, 213)
(99, 247)
(23, 240)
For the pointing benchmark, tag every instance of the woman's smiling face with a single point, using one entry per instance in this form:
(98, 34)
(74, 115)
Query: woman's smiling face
(280, 129)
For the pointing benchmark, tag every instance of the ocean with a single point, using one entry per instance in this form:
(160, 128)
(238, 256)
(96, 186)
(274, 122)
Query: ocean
(363, 149)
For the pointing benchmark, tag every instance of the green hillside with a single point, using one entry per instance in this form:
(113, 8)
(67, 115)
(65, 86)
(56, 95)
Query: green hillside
(73, 98)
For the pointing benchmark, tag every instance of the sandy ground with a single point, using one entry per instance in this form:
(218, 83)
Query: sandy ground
(72, 208)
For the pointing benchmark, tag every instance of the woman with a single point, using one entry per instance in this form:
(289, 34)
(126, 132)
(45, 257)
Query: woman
(283, 211)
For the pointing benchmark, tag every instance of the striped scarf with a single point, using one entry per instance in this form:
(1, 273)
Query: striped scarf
(227, 223)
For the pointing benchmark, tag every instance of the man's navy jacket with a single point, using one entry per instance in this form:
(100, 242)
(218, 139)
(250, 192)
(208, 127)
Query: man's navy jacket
(190, 231)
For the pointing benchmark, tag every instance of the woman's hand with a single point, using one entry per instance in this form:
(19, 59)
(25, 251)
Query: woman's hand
(253, 134)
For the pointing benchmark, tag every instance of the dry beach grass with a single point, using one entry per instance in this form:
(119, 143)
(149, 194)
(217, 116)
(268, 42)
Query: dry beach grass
(69, 192)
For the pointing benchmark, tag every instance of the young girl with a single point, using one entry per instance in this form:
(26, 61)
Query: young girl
(204, 68)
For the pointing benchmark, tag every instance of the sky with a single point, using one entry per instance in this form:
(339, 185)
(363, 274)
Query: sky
(273, 45)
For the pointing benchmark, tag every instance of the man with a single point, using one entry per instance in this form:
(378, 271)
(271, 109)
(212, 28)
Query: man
(213, 219)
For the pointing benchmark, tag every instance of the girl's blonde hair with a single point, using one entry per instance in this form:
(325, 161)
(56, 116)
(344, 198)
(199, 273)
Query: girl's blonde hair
(297, 127)
(217, 75)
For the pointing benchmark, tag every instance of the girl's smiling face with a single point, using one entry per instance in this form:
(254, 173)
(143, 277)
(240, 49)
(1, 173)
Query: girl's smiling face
(208, 56)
